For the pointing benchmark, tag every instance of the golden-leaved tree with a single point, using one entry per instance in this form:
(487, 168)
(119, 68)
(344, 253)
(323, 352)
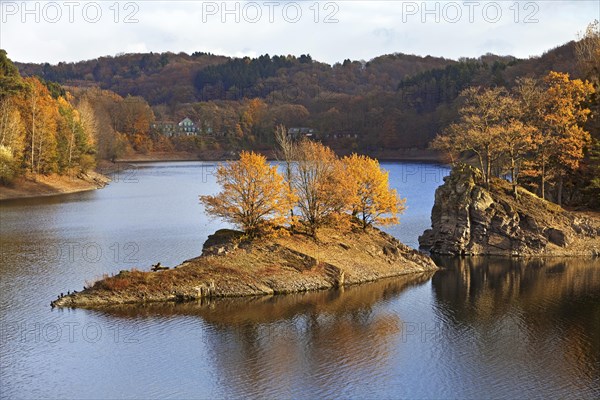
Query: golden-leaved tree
(40, 114)
(253, 195)
(320, 185)
(372, 200)
(12, 133)
(539, 123)
(564, 116)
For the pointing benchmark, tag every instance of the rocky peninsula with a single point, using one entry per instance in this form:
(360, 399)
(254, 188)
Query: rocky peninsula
(470, 219)
(232, 266)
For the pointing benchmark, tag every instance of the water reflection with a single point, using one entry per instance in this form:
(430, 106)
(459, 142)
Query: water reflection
(310, 340)
(542, 313)
(501, 328)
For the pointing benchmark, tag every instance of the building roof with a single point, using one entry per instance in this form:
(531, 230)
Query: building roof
(186, 121)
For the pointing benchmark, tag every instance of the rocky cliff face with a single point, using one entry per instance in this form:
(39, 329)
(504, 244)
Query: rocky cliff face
(468, 219)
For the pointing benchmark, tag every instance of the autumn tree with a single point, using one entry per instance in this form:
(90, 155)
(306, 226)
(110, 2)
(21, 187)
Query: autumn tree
(100, 116)
(12, 131)
(530, 95)
(252, 117)
(287, 152)
(446, 144)
(517, 143)
(539, 122)
(564, 115)
(12, 136)
(75, 146)
(587, 51)
(40, 113)
(253, 195)
(40, 131)
(482, 111)
(289, 114)
(372, 200)
(318, 182)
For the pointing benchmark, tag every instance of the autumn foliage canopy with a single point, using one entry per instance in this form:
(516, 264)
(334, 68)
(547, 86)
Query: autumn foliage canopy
(254, 196)
(535, 132)
(322, 189)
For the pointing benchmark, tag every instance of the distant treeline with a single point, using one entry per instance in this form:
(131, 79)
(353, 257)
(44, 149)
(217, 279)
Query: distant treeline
(391, 102)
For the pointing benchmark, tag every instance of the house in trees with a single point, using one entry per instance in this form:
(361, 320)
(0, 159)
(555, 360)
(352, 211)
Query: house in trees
(187, 127)
(167, 128)
(299, 133)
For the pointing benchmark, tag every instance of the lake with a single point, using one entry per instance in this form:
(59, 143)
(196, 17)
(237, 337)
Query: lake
(480, 327)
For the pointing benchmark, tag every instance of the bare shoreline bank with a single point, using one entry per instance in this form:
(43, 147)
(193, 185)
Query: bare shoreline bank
(53, 185)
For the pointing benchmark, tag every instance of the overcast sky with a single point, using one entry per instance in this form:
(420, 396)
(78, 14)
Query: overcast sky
(331, 31)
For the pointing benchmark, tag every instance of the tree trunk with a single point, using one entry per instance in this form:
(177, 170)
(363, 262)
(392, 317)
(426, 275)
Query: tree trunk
(560, 189)
(290, 186)
(488, 168)
(481, 164)
(71, 142)
(543, 183)
(513, 177)
(32, 136)
(39, 154)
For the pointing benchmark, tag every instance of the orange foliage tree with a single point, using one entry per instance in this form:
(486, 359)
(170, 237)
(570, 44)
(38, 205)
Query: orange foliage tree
(564, 115)
(40, 114)
(372, 200)
(253, 195)
(318, 182)
(539, 123)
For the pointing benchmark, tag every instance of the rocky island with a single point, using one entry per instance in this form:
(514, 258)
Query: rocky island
(469, 219)
(312, 229)
(232, 266)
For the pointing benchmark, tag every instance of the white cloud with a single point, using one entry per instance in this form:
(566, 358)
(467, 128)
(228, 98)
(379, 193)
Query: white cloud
(364, 29)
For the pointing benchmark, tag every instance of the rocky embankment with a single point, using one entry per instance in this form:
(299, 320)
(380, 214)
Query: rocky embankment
(230, 267)
(468, 219)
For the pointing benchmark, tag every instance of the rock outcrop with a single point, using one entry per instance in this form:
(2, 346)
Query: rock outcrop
(469, 219)
(232, 266)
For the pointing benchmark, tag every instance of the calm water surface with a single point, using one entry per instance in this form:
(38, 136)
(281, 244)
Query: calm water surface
(483, 327)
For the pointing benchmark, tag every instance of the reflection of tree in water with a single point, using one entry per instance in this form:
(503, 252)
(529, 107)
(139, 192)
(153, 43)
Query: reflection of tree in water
(539, 306)
(270, 346)
(317, 340)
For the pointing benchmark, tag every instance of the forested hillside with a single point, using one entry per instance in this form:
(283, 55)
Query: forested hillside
(392, 102)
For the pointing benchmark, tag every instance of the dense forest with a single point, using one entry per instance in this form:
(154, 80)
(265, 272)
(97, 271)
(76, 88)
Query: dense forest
(394, 101)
